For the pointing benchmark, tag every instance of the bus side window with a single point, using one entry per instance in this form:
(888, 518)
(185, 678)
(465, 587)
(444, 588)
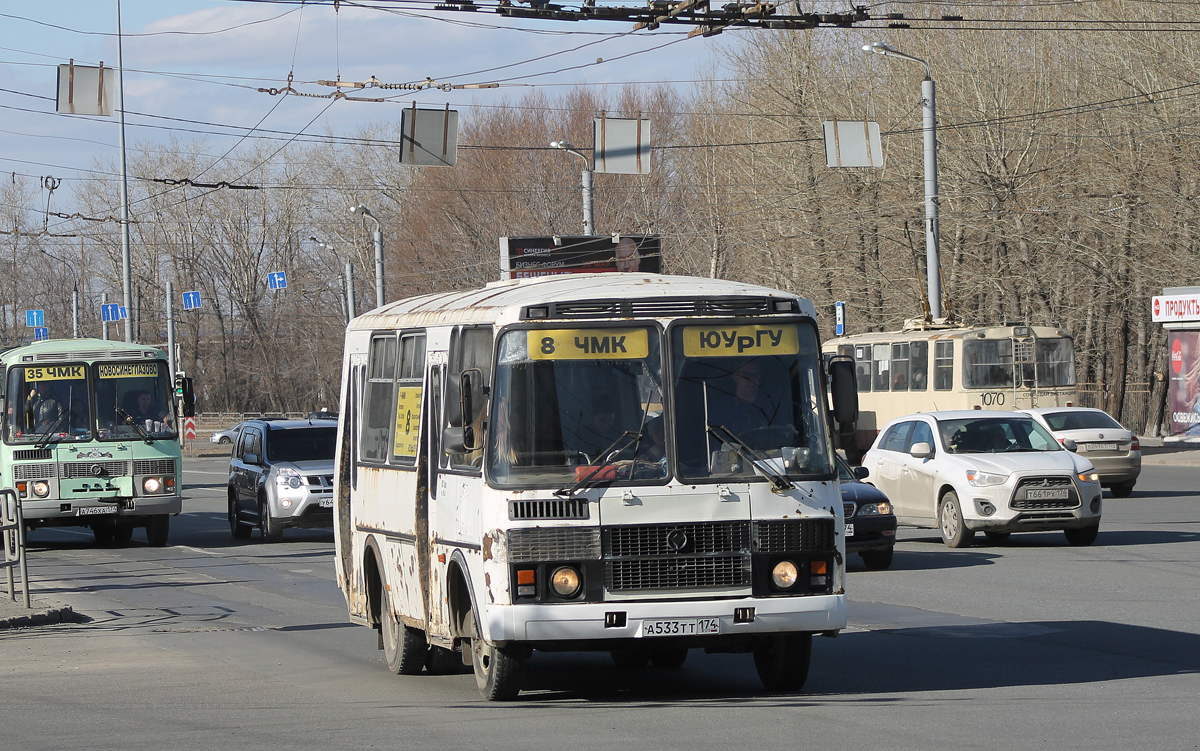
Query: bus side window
(470, 350)
(943, 366)
(862, 366)
(881, 354)
(918, 366)
(408, 398)
(900, 366)
(377, 414)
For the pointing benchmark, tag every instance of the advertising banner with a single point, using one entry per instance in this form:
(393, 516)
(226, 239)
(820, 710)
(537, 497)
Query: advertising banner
(526, 257)
(1183, 396)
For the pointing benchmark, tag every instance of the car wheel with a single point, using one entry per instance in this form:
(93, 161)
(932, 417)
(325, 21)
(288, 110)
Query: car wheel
(782, 660)
(238, 528)
(122, 533)
(225, 439)
(103, 533)
(498, 671)
(404, 648)
(157, 529)
(1082, 536)
(441, 661)
(1123, 489)
(877, 560)
(950, 519)
(272, 528)
(997, 537)
(630, 659)
(668, 657)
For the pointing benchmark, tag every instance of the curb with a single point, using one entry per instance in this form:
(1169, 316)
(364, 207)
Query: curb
(40, 616)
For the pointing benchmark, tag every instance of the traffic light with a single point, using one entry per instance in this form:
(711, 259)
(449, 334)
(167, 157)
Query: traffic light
(185, 395)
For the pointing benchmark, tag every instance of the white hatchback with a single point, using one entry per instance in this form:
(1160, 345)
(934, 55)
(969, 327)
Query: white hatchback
(996, 472)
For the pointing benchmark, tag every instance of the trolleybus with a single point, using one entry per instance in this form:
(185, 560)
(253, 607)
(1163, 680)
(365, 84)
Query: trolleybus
(928, 367)
(89, 436)
(626, 462)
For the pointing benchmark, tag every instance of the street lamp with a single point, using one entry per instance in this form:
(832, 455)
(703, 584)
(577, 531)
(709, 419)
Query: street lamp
(929, 128)
(349, 278)
(589, 228)
(377, 236)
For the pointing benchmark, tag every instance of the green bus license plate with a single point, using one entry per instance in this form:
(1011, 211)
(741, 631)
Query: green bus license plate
(681, 627)
(94, 510)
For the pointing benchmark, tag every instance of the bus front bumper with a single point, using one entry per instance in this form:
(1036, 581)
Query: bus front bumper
(87, 511)
(709, 619)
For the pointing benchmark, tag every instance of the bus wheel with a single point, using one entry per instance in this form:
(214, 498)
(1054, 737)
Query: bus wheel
(238, 528)
(103, 533)
(157, 529)
(668, 657)
(272, 529)
(122, 533)
(954, 531)
(782, 661)
(498, 670)
(403, 647)
(441, 661)
(1082, 536)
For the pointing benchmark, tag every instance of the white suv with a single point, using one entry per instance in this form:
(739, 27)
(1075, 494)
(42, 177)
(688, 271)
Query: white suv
(974, 470)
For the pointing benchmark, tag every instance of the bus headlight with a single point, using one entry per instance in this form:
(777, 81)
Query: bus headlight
(41, 488)
(152, 485)
(785, 575)
(565, 581)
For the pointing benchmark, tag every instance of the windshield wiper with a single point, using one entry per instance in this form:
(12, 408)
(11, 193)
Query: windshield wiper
(128, 420)
(44, 438)
(589, 474)
(777, 479)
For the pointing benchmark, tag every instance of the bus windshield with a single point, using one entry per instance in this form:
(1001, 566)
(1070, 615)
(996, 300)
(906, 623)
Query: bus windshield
(568, 398)
(48, 403)
(747, 399)
(133, 400)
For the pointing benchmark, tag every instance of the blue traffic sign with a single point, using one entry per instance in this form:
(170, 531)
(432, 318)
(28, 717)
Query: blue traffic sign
(277, 280)
(839, 318)
(191, 300)
(35, 318)
(40, 333)
(110, 312)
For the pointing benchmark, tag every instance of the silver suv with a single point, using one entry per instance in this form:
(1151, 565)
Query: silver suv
(281, 475)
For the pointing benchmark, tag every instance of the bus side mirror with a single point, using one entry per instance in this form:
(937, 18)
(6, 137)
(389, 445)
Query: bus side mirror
(452, 441)
(843, 387)
(471, 391)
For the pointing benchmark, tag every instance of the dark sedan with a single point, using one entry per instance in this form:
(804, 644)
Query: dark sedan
(870, 523)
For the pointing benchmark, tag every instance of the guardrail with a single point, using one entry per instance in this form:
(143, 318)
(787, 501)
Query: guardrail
(12, 532)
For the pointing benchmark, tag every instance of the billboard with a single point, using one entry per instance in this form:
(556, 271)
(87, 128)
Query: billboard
(526, 257)
(1184, 384)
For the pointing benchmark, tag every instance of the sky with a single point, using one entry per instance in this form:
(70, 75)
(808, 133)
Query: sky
(202, 61)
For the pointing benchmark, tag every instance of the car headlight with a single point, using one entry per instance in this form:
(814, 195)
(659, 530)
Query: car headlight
(1090, 476)
(984, 479)
(874, 509)
(41, 488)
(289, 477)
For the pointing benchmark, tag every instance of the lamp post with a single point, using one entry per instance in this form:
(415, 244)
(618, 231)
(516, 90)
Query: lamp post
(349, 279)
(929, 129)
(589, 228)
(377, 236)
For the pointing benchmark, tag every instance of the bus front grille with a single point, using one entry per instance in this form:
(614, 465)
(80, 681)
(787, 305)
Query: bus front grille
(794, 535)
(557, 508)
(553, 544)
(72, 470)
(154, 467)
(680, 572)
(34, 471)
(688, 538)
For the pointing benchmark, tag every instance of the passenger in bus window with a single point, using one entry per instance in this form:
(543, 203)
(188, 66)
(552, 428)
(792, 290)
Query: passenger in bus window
(142, 407)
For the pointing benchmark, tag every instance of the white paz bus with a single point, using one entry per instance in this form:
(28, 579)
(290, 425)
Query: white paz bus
(626, 462)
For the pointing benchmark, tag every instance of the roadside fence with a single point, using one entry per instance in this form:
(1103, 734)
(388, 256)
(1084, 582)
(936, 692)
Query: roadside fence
(12, 532)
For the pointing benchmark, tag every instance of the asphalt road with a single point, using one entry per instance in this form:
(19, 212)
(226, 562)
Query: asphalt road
(214, 644)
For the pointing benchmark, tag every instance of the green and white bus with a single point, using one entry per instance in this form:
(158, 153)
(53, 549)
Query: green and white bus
(90, 437)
